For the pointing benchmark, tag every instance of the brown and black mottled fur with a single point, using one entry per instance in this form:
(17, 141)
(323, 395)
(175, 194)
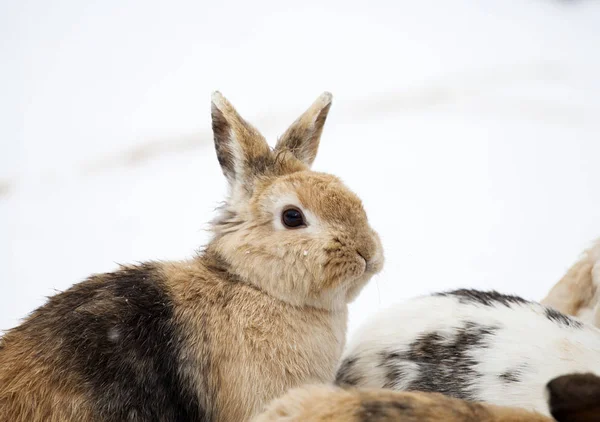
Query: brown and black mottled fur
(262, 309)
(575, 398)
(106, 349)
(323, 403)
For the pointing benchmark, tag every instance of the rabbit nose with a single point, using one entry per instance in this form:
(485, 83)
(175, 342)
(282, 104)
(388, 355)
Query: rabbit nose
(362, 255)
(366, 248)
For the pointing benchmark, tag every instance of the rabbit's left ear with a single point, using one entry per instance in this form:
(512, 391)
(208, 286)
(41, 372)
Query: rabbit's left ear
(241, 150)
(303, 136)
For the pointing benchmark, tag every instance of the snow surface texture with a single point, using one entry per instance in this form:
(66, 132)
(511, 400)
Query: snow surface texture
(470, 129)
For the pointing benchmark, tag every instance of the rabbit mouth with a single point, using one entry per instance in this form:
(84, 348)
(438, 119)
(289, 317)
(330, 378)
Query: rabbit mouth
(372, 265)
(363, 258)
(367, 266)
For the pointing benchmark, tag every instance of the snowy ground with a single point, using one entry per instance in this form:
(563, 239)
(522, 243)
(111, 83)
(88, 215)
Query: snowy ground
(469, 128)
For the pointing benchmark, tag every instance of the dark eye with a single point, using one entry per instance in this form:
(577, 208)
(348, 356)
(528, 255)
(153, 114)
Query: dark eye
(292, 218)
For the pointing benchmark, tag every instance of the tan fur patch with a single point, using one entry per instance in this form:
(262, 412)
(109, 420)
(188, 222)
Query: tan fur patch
(260, 346)
(323, 403)
(32, 386)
(578, 293)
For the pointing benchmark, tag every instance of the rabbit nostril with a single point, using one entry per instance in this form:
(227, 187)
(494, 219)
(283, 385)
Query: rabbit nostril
(362, 256)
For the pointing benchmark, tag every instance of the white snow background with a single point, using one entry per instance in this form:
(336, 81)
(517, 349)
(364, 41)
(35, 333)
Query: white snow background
(470, 129)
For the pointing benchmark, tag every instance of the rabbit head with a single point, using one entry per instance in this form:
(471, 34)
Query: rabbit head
(299, 235)
(574, 397)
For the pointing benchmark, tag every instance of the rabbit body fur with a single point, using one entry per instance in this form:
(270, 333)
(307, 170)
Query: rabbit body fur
(472, 345)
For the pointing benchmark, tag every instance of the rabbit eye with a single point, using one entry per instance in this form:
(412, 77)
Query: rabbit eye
(292, 218)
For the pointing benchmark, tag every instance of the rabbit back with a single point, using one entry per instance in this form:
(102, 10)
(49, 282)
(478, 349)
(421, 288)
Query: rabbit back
(473, 345)
(108, 348)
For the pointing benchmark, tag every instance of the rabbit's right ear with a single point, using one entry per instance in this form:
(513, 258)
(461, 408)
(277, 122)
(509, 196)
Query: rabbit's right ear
(574, 398)
(241, 150)
(303, 136)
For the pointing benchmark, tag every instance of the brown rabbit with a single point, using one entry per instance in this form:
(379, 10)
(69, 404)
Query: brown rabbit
(323, 403)
(261, 309)
(578, 292)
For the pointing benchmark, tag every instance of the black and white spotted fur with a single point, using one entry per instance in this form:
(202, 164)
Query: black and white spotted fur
(473, 345)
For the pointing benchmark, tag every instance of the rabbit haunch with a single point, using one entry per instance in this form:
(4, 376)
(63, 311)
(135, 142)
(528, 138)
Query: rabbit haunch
(571, 398)
(323, 403)
(260, 310)
(473, 345)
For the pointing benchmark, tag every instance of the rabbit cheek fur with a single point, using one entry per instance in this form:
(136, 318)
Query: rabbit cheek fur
(473, 345)
(216, 337)
(323, 403)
